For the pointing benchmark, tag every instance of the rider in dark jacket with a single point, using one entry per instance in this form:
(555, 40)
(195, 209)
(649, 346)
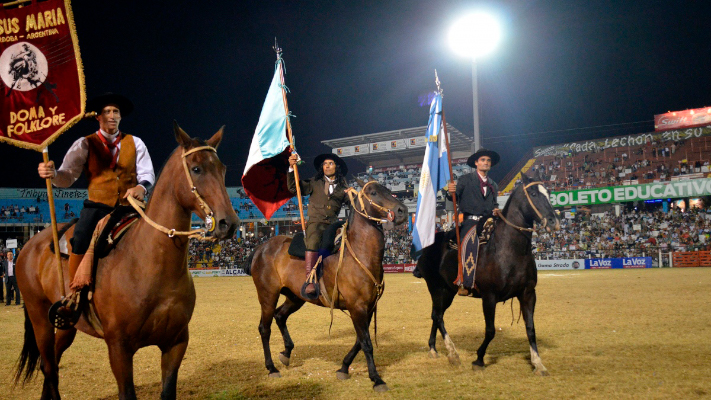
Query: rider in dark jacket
(328, 194)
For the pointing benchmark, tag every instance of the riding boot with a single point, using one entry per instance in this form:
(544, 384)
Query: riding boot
(74, 261)
(311, 258)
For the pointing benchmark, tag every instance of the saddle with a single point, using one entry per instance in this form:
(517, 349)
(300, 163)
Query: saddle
(65, 314)
(330, 241)
(471, 244)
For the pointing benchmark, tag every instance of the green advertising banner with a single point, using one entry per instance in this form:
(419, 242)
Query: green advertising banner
(621, 194)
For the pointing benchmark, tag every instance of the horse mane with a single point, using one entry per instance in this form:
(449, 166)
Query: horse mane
(517, 188)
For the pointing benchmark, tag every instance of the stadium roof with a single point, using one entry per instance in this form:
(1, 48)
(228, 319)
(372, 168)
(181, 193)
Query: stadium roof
(458, 142)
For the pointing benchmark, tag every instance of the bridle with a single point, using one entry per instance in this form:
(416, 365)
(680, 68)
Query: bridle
(530, 202)
(388, 212)
(209, 217)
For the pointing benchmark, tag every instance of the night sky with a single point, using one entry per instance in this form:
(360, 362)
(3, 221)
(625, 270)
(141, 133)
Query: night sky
(359, 67)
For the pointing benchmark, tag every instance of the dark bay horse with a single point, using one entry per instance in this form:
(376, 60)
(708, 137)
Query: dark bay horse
(144, 292)
(360, 277)
(506, 269)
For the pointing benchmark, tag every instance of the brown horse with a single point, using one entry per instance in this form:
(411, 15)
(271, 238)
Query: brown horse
(144, 292)
(359, 278)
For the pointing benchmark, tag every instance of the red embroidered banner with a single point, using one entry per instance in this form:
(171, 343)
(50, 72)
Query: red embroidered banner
(42, 79)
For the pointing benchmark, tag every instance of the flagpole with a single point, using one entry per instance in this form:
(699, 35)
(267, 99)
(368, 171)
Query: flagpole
(460, 278)
(290, 134)
(55, 235)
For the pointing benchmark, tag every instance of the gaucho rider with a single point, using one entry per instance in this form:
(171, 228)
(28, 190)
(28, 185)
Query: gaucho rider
(476, 193)
(328, 194)
(117, 165)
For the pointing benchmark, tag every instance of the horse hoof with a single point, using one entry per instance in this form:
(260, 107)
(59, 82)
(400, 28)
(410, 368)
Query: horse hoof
(342, 375)
(284, 359)
(433, 353)
(477, 367)
(275, 374)
(381, 388)
(454, 360)
(540, 372)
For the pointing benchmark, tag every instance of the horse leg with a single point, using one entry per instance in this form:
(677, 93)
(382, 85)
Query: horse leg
(265, 331)
(342, 373)
(440, 303)
(527, 300)
(64, 339)
(44, 343)
(361, 321)
(121, 360)
(171, 358)
(489, 305)
(290, 306)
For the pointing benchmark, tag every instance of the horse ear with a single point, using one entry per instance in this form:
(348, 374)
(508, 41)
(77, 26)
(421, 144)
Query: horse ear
(361, 183)
(215, 140)
(525, 179)
(180, 136)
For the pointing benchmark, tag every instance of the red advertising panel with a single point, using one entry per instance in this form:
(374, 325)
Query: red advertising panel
(682, 119)
(42, 80)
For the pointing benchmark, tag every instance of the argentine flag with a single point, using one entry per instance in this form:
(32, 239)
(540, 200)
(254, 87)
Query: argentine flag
(435, 175)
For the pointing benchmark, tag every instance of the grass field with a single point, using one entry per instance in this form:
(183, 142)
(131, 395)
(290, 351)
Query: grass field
(601, 334)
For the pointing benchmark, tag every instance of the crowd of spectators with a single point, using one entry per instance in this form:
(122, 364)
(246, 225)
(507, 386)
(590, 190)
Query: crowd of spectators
(617, 166)
(225, 254)
(633, 233)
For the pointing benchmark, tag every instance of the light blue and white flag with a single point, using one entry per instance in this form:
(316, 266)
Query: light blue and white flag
(435, 176)
(264, 178)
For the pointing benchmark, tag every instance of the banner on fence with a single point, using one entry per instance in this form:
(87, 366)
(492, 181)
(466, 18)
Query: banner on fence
(206, 273)
(544, 265)
(618, 263)
(390, 268)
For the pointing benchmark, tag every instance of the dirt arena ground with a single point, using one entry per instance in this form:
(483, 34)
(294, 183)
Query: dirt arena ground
(601, 334)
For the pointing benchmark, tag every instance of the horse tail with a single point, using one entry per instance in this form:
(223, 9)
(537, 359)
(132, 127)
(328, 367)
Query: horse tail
(29, 356)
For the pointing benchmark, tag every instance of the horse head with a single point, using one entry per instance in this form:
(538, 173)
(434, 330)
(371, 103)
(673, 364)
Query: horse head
(377, 202)
(201, 188)
(538, 207)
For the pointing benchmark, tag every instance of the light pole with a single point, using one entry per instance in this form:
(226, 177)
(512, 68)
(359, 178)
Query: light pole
(473, 36)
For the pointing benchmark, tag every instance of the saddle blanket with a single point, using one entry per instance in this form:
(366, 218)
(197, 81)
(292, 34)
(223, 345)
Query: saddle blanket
(469, 254)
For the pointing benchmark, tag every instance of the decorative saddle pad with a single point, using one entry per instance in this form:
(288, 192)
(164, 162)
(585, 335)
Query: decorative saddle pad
(119, 221)
(471, 244)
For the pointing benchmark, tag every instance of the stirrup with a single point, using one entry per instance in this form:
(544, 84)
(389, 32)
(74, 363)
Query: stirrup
(312, 279)
(462, 291)
(65, 313)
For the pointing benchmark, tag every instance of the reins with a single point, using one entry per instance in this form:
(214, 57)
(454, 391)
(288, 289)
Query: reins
(200, 234)
(345, 244)
(540, 216)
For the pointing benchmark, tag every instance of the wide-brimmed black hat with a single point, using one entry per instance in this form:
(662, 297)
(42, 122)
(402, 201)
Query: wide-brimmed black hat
(483, 152)
(98, 103)
(330, 156)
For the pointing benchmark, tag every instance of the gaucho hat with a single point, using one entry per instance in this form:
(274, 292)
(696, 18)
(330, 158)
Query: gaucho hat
(98, 103)
(330, 156)
(483, 152)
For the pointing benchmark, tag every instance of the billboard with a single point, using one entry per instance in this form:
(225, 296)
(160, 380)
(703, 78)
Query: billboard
(620, 194)
(682, 119)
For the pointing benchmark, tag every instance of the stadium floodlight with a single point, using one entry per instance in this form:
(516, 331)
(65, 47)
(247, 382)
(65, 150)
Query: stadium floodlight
(474, 36)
